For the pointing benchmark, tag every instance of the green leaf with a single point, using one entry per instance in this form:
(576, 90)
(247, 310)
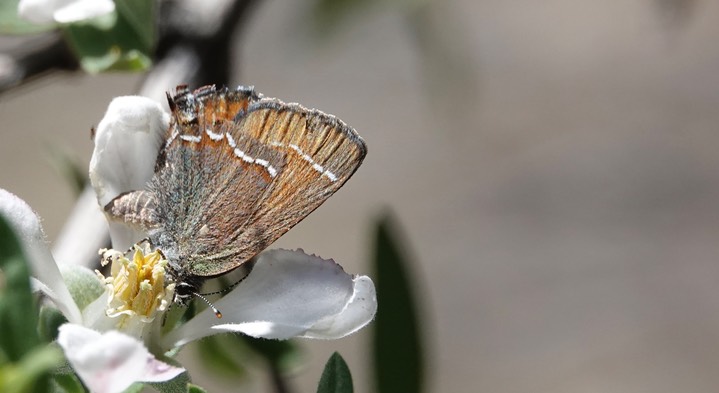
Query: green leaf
(83, 284)
(284, 355)
(24, 362)
(67, 383)
(18, 316)
(223, 354)
(140, 16)
(122, 41)
(31, 373)
(11, 23)
(175, 385)
(191, 388)
(228, 354)
(64, 368)
(50, 321)
(327, 16)
(136, 387)
(336, 377)
(397, 346)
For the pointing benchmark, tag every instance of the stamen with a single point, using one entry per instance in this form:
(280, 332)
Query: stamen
(138, 287)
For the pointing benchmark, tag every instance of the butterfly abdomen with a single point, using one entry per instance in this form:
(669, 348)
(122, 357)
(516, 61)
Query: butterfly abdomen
(136, 208)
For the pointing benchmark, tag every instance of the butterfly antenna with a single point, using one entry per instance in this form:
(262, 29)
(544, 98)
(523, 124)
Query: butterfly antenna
(217, 312)
(225, 290)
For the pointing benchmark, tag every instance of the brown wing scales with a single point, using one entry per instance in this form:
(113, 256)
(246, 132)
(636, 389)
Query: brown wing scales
(238, 171)
(320, 152)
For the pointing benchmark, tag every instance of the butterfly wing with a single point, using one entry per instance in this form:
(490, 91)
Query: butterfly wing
(320, 154)
(200, 188)
(239, 170)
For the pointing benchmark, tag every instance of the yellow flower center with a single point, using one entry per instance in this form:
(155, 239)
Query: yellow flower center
(139, 288)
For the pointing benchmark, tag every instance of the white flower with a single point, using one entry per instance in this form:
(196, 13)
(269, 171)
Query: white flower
(94, 356)
(63, 11)
(287, 293)
(112, 361)
(126, 143)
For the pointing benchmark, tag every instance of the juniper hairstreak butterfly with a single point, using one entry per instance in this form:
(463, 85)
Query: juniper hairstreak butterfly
(235, 172)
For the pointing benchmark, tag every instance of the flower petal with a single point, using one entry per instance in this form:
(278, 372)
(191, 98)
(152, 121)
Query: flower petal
(27, 227)
(287, 294)
(112, 361)
(360, 311)
(40, 11)
(126, 145)
(80, 10)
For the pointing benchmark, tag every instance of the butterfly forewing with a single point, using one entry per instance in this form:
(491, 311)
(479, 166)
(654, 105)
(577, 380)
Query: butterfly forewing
(320, 153)
(203, 194)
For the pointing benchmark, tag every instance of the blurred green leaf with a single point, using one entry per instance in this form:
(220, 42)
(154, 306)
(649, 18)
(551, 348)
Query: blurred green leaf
(284, 355)
(24, 362)
(67, 383)
(229, 354)
(223, 354)
(123, 41)
(195, 389)
(140, 16)
(136, 387)
(31, 373)
(11, 23)
(336, 377)
(18, 316)
(176, 316)
(397, 347)
(49, 322)
(68, 167)
(328, 15)
(448, 70)
(175, 385)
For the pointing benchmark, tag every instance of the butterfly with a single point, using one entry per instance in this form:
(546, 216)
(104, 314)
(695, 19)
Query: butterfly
(235, 172)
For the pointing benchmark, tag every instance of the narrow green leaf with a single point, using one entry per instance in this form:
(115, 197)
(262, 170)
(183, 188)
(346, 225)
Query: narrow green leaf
(336, 377)
(18, 316)
(397, 346)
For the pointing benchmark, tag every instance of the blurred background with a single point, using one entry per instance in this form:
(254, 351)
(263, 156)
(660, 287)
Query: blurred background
(551, 168)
